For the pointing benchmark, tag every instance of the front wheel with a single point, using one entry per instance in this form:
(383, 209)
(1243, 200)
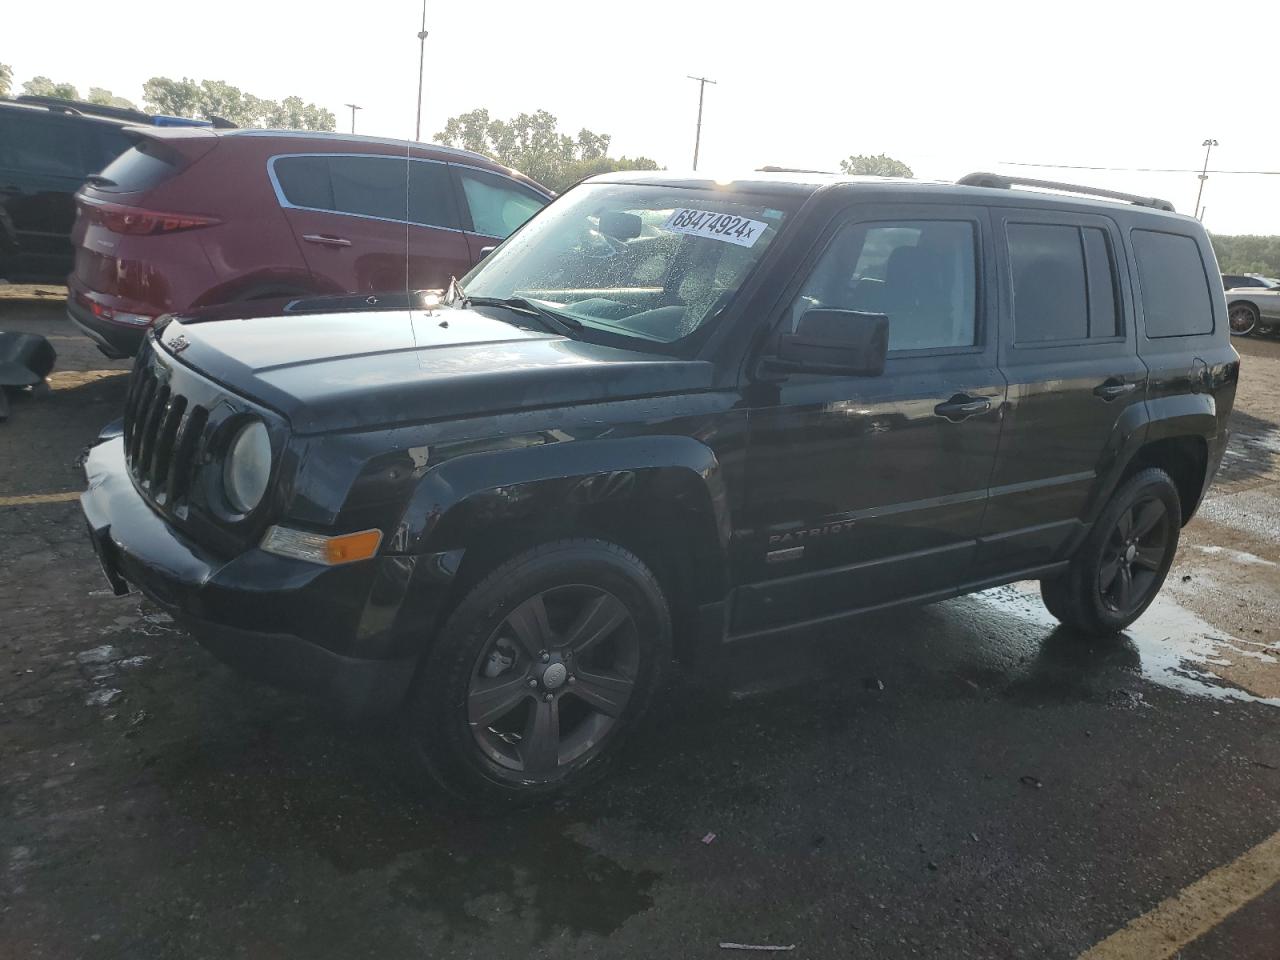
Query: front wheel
(1123, 562)
(540, 672)
(1242, 319)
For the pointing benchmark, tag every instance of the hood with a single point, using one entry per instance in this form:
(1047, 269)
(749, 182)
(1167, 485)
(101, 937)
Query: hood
(370, 369)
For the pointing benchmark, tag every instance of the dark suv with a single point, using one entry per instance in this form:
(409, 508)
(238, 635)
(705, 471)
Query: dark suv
(48, 147)
(670, 412)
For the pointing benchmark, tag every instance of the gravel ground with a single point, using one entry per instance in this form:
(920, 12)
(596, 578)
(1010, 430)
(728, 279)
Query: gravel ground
(962, 780)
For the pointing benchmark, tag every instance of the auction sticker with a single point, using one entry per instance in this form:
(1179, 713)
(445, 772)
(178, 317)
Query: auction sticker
(717, 226)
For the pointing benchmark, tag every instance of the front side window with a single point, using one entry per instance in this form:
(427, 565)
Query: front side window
(918, 273)
(370, 187)
(1064, 287)
(498, 206)
(648, 262)
(1175, 288)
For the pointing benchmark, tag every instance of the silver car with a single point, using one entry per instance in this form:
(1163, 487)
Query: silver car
(1253, 303)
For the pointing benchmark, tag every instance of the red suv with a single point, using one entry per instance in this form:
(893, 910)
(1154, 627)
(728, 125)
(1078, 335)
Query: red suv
(190, 217)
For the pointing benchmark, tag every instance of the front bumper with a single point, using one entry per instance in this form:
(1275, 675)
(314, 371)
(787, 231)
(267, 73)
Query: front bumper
(351, 635)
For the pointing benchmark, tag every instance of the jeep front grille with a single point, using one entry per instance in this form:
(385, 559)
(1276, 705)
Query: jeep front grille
(163, 433)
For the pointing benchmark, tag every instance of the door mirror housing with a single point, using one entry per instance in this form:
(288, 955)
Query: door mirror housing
(848, 342)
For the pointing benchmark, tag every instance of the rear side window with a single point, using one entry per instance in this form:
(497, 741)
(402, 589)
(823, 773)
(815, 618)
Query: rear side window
(1064, 287)
(370, 187)
(35, 142)
(1175, 287)
(497, 205)
(142, 167)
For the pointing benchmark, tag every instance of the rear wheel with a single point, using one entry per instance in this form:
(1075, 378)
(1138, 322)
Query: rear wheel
(540, 673)
(1123, 562)
(1242, 318)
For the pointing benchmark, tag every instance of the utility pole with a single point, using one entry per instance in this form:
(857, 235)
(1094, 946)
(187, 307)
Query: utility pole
(422, 58)
(1204, 175)
(697, 138)
(354, 107)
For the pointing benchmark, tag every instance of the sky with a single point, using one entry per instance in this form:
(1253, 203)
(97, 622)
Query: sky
(949, 87)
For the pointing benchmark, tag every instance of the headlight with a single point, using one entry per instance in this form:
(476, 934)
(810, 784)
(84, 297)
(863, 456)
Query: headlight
(247, 468)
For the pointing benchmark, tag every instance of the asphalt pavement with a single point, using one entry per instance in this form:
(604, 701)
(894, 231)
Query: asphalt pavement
(961, 780)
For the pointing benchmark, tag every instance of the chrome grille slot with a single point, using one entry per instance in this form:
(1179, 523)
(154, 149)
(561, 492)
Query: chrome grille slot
(182, 465)
(160, 459)
(150, 425)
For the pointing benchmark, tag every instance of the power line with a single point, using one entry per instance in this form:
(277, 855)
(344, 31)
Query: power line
(1072, 166)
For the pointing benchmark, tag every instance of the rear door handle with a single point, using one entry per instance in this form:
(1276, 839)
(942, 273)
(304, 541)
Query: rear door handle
(962, 406)
(1113, 389)
(326, 240)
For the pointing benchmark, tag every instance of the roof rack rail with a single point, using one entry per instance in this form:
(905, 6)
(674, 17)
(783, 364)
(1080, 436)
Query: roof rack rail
(1003, 181)
(82, 107)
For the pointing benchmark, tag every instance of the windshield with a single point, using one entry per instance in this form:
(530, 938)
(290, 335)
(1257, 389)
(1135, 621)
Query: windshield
(654, 263)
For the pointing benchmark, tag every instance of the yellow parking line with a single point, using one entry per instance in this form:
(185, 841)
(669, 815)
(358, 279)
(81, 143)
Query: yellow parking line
(1195, 910)
(30, 499)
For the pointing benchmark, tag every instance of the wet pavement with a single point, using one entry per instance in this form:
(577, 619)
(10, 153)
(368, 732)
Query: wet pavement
(961, 780)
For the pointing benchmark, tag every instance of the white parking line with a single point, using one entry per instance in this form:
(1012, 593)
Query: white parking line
(1195, 910)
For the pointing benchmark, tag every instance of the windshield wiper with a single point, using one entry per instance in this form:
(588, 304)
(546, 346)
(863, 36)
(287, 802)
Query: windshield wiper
(553, 321)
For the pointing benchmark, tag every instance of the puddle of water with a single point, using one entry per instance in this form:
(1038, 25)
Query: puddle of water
(1175, 648)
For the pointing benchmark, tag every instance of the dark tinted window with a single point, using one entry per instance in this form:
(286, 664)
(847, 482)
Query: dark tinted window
(497, 205)
(36, 142)
(1104, 304)
(369, 186)
(1175, 288)
(1064, 286)
(919, 273)
(142, 167)
(1050, 294)
(305, 181)
(1233, 282)
(431, 195)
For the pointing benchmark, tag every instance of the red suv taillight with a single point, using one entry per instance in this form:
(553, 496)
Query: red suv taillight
(137, 221)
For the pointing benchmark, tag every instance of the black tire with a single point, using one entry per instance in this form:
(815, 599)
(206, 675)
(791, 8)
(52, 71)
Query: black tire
(1122, 564)
(484, 661)
(1242, 318)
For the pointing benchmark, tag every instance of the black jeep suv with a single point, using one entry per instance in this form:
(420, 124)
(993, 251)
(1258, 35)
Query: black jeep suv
(666, 412)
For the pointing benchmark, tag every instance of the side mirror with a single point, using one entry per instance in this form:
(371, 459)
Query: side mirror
(485, 251)
(847, 342)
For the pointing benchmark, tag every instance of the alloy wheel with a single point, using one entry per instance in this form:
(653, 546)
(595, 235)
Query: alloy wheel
(1241, 321)
(552, 680)
(1134, 557)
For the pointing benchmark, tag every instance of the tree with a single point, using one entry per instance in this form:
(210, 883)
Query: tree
(108, 99)
(880, 165)
(6, 79)
(1248, 254)
(533, 144)
(203, 99)
(44, 87)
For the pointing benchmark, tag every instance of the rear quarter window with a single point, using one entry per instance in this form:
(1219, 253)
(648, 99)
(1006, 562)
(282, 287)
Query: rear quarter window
(1175, 286)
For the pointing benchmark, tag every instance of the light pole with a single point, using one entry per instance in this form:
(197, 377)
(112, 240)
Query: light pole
(1204, 175)
(422, 56)
(697, 138)
(354, 107)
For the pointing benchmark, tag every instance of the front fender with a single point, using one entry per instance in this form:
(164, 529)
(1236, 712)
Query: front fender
(546, 482)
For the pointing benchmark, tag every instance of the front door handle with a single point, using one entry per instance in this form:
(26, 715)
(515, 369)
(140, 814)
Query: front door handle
(1113, 389)
(326, 240)
(962, 406)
